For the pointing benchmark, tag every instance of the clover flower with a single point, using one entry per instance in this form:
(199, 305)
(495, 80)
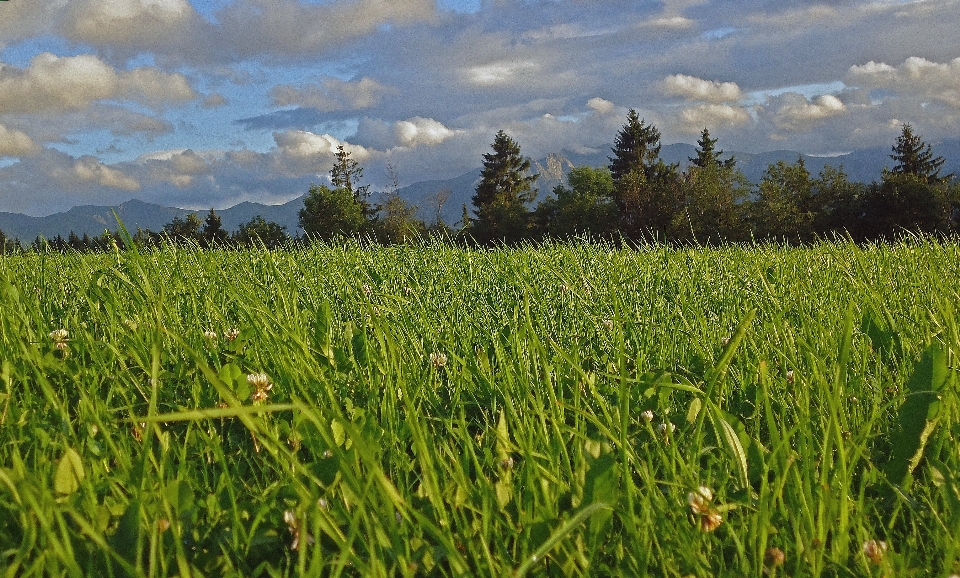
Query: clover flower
(293, 524)
(60, 338)
(774, 557)
(875, 550)
(261, 384)
(647, 415)
(438, 359)
(231, 334)
(701, 505)
(211, 335)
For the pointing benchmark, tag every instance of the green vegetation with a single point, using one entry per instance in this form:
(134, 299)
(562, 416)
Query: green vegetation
(408, 411)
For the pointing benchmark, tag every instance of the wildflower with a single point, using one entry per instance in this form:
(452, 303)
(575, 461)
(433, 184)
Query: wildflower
(711, 521)
(261, 384)
(366, 289)
(608, 324)
(506, 463)
(874, 549)
(210, 334)
(323, 504)
(290, 518)
(666, 428)
(647, 415)
(59, 335)
(131, 324)
(700, 500)
(725, 341)
(231, 334)
(701, 505)
(774, 557)
(438, 359)
(790, 377)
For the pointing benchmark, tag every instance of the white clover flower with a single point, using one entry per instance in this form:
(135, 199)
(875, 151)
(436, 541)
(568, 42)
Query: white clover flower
(210, 334)
(711, 521)
(366, 289)
(438, 359)
(699, 501)
(647, 415)
(666, 427)
(261, 384)
(231, 334)
(790, 376)
(608, 324)
(875, 550)
(59, 335)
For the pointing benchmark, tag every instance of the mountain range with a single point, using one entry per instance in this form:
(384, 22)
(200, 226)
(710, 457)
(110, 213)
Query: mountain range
(445, 198)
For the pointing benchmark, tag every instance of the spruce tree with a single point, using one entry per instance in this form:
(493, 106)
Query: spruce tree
(707, 155)
(914, 157)
(213, 234)
(503, 193)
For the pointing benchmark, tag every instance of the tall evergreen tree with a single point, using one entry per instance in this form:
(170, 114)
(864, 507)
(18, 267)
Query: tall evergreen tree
(707, 155)
(503, 193)
(346, 174)
(213, 234)
(646, 189)
(914, 157)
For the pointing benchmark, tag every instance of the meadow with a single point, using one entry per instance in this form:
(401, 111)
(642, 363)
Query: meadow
(565, 409)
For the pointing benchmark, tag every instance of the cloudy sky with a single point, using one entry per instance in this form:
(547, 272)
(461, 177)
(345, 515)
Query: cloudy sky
(207, 103)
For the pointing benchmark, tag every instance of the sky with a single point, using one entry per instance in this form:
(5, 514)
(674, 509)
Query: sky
(208, 103)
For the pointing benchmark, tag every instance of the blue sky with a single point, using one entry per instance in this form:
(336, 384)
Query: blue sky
(209, 103)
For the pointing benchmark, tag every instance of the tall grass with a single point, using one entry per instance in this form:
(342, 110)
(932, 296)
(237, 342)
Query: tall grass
(440, 411)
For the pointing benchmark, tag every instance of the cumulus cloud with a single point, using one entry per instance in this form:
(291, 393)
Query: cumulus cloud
(89, 170)
(916, 77)
(331, 95)
(417, 131)
(693, 88)
(601, 105)
(126, 22)
(696, 118)
(792, 111)
(59, 83)
(15, 143)
(305, 144)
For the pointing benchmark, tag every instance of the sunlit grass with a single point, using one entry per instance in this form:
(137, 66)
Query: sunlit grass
(404, 411)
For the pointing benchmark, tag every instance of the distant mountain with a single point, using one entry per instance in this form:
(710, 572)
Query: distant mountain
(863, 165)
(93, 220)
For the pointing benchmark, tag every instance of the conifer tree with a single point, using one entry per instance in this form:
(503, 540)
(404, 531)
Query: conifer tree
(914, 157)
(503, 193)
(213, 234)
(707, 155)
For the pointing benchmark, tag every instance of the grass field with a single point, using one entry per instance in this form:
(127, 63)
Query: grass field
(551, 411)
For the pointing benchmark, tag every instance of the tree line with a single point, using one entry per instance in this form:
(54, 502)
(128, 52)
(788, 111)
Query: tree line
(190, 230)
(640, 197)
(637, 197)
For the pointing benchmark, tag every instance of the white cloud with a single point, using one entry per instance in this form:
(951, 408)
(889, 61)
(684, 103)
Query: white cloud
(304, 144)
(88, 170)
(135, 23)
(696, 118)
(417, 131)
(60, 83)
(601, 105)
(15, 143)
(499, 73)
(792, 111)
(916, 77)
(693, 88)
(333, 94)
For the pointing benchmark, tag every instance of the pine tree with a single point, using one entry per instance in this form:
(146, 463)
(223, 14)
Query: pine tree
(503, 193)
(914, 157)
(707, 155)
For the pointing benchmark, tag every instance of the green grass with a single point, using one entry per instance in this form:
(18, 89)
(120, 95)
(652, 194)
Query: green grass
(812, 390)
